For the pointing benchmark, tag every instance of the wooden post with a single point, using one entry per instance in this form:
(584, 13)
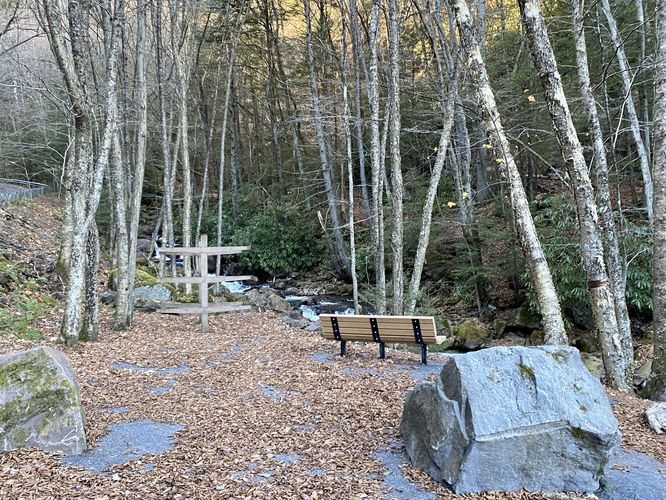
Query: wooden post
(203, 285)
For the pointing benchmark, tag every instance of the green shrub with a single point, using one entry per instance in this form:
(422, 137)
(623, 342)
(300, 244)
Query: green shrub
(557, 227)
(281, 241)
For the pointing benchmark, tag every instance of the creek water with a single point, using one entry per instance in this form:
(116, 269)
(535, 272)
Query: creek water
(309, 305)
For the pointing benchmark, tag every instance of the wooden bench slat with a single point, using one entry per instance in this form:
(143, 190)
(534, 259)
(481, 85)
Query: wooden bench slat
(400, 320)
(389, 329)
(396, 339)
(406, 324)
(383, 332)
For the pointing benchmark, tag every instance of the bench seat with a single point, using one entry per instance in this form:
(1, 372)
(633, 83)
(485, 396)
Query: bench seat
(344, 328)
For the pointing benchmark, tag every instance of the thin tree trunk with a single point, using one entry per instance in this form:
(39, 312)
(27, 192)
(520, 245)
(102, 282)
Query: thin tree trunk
(165, 129)
(642, 94)
(541, 278)
(225, 113)
(91, 325)
(209, 128)
(376, 165)
(348, 157)
(625, 72)
(396, 161)
(140, 155)
(233, 155)
(426, 220)
(614, 262)
(117, 181)
(340, 258)
(603, 305)
(656, 388)
(358, 118)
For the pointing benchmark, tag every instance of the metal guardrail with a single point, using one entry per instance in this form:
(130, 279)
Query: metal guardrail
(12, 190)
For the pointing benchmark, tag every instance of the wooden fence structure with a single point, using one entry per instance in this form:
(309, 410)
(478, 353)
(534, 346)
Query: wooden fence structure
(203, 309)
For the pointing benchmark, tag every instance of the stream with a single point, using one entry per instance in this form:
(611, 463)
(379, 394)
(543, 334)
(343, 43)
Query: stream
(310, 305)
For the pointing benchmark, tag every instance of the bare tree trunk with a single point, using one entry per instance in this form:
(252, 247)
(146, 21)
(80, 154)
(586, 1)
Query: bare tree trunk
(140, 154)
(376, 165)
(91, 325)
(233, 155)
(642, 94)
(340, 259)
(426, 220)
(540, 276)
(656, 388)
(396, 162)
(118, 188)
(225, 113)
(165, 129)
(348, 156)
(447, 105)
(180, 50)
(614, 261)
(603, 305)
(359, 61)
(625, 72)
(86, 173)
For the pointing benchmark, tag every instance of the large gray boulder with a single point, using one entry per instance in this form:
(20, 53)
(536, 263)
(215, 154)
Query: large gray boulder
(40, 403)
(508, 418)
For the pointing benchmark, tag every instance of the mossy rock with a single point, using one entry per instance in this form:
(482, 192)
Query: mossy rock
(594, 365)
(142, 278)
(523, 320)
(471, 334)
(443, 326)
(655, 389)
(40, 403)
(537, 338)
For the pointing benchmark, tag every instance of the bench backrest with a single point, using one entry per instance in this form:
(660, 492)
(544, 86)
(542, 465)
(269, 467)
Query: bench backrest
(398, 329)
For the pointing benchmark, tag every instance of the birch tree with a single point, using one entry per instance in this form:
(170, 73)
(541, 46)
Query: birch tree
(139, 155)
(85, 172)
(615, 262)
(540, 276)
(656, 388)
(340, 257)
(377, 168)
(349, 159)
(448, 96)
(396, 162)
(627, 77)
(180, 46)
(603, 304)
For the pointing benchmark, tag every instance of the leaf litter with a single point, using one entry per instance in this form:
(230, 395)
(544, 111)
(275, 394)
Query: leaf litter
(266, 412)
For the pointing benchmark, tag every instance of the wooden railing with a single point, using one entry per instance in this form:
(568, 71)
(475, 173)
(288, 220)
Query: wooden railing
(203, 309)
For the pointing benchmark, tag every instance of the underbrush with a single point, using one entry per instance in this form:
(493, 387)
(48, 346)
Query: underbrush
(22, 301)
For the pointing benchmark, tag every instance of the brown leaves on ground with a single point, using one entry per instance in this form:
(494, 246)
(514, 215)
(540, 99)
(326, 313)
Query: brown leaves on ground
(253, 391)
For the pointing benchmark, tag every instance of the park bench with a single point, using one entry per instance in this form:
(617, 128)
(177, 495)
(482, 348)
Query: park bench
(344, 328)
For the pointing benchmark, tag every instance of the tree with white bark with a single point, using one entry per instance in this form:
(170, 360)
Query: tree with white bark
(601, 293)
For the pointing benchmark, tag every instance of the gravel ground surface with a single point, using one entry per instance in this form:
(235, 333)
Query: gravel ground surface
(253, 409)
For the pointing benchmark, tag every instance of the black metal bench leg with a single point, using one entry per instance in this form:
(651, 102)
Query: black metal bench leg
(424, 354)
(382, 350)
(343, 347)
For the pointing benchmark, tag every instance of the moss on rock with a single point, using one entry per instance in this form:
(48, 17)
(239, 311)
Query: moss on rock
(40, 402)
(471, 334)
